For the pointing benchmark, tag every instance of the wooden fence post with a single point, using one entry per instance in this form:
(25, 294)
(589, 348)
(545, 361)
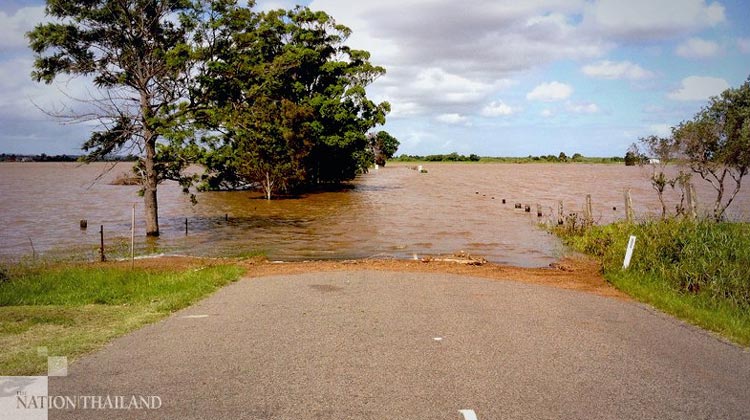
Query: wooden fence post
(588, 213)
(629, 216)
(101, 243)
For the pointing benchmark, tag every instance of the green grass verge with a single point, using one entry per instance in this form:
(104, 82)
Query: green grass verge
(696, 271)
(72, 310)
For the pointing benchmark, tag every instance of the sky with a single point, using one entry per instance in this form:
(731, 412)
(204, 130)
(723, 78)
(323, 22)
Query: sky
(491, 77)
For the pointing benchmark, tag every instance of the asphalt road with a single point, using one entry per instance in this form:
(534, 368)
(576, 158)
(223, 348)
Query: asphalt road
(382, 345)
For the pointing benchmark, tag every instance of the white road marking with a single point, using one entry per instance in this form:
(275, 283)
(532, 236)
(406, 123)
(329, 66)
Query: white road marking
(438, 338)
(468, 414)
(194, 316)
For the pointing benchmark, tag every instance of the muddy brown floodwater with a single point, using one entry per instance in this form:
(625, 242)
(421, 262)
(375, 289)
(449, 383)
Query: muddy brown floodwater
(394, 212)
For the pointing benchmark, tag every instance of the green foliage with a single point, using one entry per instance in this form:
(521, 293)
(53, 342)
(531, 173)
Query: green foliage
(139, 54)
(450, 157)
(383, 146)
(287, 99)
(634, 156)
(127, 46)
(691, 257)
(716, 143)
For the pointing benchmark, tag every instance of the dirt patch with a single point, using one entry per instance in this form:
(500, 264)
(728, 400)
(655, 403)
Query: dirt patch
(573, 273)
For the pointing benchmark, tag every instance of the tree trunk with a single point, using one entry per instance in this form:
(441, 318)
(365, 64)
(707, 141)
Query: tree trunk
(268, 186)
(149, 189)
(151, 178)
(718, 211)
(663, 204)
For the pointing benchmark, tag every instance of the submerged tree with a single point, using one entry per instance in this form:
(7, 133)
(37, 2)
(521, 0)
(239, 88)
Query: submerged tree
(137, 54)
(663, 151)
(288, 100)
(716, 143)
(383, 146)
(633, 156)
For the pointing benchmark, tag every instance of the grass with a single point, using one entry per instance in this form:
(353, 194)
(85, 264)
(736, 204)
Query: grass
(696, 271)
(74, 309)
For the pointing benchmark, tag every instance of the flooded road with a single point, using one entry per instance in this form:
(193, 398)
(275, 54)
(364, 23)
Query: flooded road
(392, 212)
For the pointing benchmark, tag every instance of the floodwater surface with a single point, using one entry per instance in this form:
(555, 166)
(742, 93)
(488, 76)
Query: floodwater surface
(391, 212)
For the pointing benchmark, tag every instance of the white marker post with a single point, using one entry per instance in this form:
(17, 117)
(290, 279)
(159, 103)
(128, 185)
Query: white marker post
(629, 253)
(468, 414)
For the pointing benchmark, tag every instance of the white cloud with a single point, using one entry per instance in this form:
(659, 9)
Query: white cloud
(402, 109)
(698, 88)
(697, 48)
(497, 109)
(616, 70)
(648, 19)
(661, 130)
(446, 59)
(452, 118)
(14, 27)
(450, 88)
(20, 95)
(547, 113)
(582, 108)
(550, 92)
(743, 44)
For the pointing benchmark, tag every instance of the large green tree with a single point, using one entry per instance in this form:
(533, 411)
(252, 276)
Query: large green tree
(138, 55)
(716, 143)
(287, 99)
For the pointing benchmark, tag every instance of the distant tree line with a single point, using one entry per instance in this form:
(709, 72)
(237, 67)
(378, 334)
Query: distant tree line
(455, 157)
(450, 157)
(43, 157)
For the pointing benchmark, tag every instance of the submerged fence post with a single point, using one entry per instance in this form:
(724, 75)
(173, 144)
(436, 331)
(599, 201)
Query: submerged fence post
(101, 244)
(560, 213)
(33, 250)
(588, 214)
(628, 207)
(186, 226)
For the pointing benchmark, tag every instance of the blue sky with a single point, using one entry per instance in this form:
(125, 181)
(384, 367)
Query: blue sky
(501, 78)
